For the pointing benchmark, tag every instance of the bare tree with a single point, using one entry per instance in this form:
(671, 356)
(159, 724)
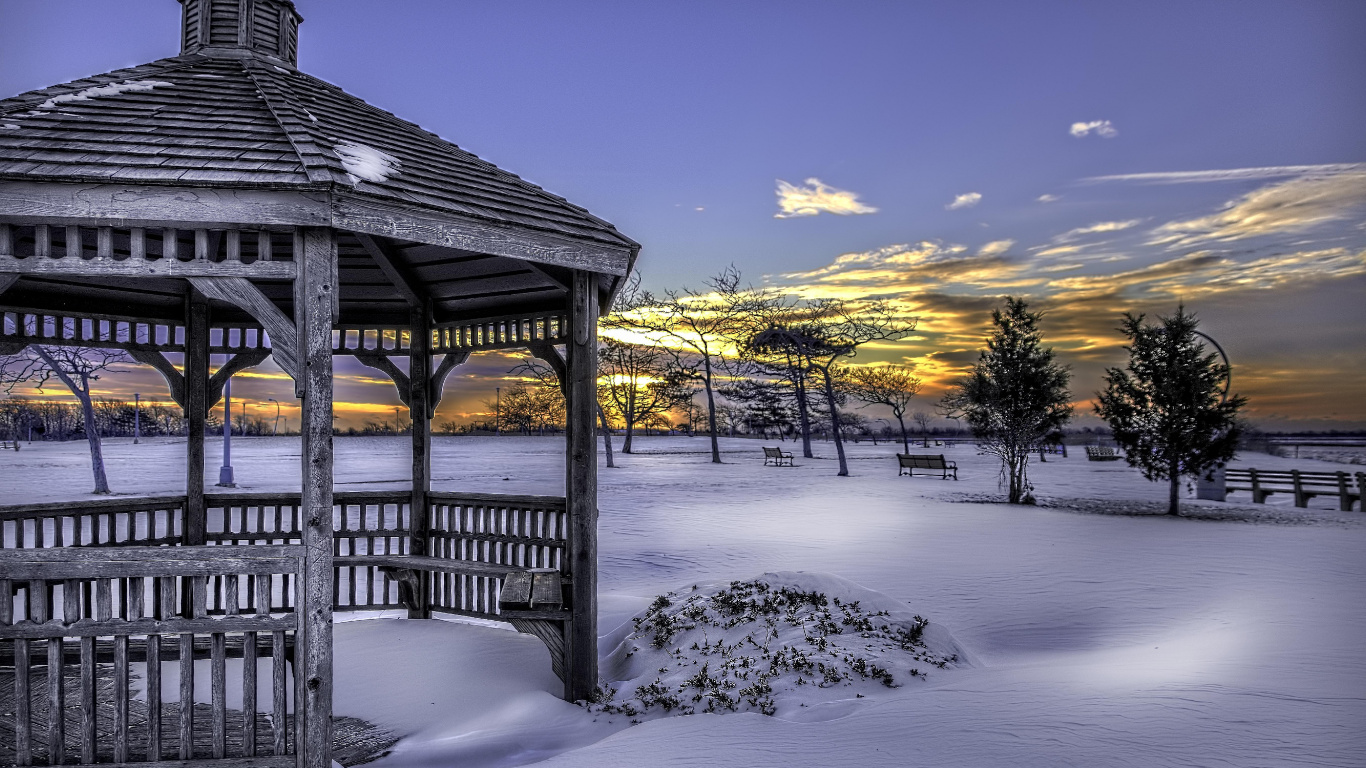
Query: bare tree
(891, 385)
(698, 328)
(922, 420)
(637, 383)
(822, 333)
(76, 367)
(547, 376)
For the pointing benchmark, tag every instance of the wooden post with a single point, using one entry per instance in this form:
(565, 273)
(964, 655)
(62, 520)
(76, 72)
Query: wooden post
(581, 486)
(313, 659)
(196, 408)
(419, 406)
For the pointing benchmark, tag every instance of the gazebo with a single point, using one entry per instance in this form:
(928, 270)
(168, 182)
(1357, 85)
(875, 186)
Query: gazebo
(221, 202)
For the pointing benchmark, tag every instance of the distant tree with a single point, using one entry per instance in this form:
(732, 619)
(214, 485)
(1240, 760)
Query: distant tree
(1168, 409)
(823, 333)
(922, 420)
(763, 405)
(697, 329)
(637, 383)
(892, 386)
(1015, 395)
(76, 367)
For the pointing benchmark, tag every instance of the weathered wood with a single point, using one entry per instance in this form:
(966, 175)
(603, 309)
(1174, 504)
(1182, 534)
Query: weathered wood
(34, 202)
(238, 362)
(581, 487)
(381, 362)
(437, 390)
(241, 292)
(175, 380)
(76, 267)
(196, 409)
(390, 263)
(374, 218)
(314, 318)
(552, 356)
(8, 279)
(420, 410)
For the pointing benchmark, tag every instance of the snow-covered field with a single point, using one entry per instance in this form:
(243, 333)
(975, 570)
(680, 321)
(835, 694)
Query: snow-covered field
(1092, 632)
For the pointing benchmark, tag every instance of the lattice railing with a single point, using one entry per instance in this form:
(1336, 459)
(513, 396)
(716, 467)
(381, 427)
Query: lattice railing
(103, 523)
(500, 332)
(84, 624)
(138, 251)
(520, 531)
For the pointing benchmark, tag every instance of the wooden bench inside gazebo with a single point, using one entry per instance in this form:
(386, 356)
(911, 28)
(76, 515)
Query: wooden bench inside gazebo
(221, 202)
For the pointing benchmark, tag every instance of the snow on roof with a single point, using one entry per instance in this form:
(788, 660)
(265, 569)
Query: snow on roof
(9, 127)
(113, 89)
(365, 163)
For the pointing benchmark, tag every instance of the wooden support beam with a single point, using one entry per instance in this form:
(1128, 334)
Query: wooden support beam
(387, 258)
(381, 362)
(284, 341)
(196, 407)
(581, 486)
(119, 205)
(72, 266)
(551, 355)
(313, 657)
(8, 279)
(356, 214)
(419, 407)
(238, 362)
(438, 382)
(175, 380)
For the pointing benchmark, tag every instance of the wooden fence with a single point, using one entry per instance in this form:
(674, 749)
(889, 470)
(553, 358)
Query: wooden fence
(85, 623)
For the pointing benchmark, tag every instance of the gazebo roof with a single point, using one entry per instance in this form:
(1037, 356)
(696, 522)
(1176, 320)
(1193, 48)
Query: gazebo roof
(248, 122)
(230, 135)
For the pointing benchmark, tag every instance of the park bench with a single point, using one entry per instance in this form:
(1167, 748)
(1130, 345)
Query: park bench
(777, 456)
(9, 445)
(1305, 485)
(1101, 453)
(910, 462)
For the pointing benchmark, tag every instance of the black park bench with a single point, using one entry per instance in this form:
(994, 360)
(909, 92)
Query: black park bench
(9, 445)
(910, 462)
(1101, 453)
(1304, 485)
(777, 456)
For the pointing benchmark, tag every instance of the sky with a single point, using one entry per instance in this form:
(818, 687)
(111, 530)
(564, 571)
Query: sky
(1095, 158)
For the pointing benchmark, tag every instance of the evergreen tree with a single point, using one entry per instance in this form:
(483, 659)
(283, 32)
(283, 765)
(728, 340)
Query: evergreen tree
(1015, 396)
(1169, 410)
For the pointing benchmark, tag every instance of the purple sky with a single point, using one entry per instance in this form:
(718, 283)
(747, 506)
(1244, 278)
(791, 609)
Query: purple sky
(676, 121)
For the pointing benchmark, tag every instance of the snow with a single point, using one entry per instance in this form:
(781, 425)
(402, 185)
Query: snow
(9, 127)
(1093, 631)
(113, 89)
(365, 163)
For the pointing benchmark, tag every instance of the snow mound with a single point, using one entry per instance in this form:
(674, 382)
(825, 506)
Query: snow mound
(795, 645)
(365, 163)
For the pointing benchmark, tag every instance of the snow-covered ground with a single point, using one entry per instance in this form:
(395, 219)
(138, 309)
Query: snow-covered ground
(1092, 632)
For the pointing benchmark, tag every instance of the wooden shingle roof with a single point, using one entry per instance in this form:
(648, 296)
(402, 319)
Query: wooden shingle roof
(244, 121)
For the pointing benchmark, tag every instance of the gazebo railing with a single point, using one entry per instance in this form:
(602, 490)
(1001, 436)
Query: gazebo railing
(372, 529)
(85, 624)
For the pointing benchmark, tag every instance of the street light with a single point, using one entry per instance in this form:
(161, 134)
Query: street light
(275, 430)
(137, 417)
(225, 478)
(497, 410)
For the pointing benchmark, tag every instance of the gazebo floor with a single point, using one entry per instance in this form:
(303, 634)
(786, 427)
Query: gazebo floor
(354, 741)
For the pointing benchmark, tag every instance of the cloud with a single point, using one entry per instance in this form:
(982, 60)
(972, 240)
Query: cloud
(1046, 198)
(1235, 174)
(1100, 226)
(995, 248)
(816, 198)
(1289, 206)
(1102, 128)
(965, 200)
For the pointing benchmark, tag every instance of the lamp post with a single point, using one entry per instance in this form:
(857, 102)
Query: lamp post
(275, 429)
(225, 478)
(498, 410)
(137, 417)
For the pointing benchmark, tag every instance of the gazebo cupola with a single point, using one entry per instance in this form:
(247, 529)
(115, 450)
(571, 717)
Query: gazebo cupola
(228, 27)
(222, 203)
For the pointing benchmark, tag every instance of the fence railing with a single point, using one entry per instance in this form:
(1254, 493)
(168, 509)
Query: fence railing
(474, 529)
(84, 624)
